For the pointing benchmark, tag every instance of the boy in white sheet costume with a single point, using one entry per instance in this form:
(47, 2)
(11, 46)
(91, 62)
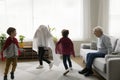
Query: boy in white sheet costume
(41, 42)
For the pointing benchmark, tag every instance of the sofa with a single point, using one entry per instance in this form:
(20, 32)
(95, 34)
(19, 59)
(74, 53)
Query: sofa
(108, 67)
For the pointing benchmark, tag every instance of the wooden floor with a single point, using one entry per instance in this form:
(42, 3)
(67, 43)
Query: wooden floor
(79, 61)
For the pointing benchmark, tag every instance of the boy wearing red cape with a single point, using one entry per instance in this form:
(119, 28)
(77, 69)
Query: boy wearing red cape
(10, 51)
(65, 47)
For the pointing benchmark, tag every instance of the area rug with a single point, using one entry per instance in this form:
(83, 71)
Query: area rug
(28, 71)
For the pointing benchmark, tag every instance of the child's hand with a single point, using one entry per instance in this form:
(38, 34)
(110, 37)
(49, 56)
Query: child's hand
(73, 56)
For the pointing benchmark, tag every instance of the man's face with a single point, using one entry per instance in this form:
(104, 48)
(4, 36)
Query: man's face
(98, 33)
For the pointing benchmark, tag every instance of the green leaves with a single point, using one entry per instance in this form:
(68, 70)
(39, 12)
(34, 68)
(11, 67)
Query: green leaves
(51, 28)
(2, 40)
(21, 38)
(2, 36)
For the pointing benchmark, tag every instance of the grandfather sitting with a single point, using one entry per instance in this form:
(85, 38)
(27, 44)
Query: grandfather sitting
(104, 47)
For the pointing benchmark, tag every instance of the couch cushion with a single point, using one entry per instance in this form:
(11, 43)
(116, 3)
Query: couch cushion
(113, 42)
(85, 45)
(100, 64)
(84, 52)
(117, 49)
(93, 45)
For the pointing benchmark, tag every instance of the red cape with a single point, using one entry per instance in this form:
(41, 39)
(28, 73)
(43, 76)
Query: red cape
(7, 44)
(65, 46)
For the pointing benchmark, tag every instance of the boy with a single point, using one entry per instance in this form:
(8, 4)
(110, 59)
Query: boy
(10, 52)
(65, 47)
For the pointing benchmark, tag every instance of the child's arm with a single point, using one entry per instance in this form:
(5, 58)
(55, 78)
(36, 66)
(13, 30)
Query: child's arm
(72, 48)
(57, 46)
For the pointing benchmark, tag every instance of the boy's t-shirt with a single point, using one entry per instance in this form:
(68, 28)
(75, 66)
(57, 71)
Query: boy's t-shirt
(11, 51)
(10, 48)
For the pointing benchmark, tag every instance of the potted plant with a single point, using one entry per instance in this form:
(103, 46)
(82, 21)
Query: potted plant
(21, 38)
(2, 40)
(54, 37)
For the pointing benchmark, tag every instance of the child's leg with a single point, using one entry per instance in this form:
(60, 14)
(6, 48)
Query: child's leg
(8, 62)
(69, 61)
(45, 58)
(65, 62)
(40, 54)
(14, 64)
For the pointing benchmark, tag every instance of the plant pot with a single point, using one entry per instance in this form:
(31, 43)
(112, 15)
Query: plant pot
(21, 44)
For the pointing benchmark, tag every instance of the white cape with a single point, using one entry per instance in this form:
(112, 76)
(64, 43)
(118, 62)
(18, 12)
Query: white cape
(44, 38)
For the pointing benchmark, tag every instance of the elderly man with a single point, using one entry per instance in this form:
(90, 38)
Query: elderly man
(104, 47)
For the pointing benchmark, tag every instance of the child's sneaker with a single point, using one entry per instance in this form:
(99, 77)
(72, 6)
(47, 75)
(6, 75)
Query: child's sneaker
(40, 66)
(50, 65)
(12, 75)
(66, 72)
(5, 77)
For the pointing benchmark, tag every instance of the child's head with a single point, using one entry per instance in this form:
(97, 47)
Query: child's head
(65, 33)
(11, 31)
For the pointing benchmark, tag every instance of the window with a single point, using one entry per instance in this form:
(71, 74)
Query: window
(2, 17)
(114, 17)
(27, 15)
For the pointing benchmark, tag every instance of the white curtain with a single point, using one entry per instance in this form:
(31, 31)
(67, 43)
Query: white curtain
(96, 13)
(103, 15)
(27, 15)
(3, 16)
(19, 15)
(61, 14)
(114, 20)
(86, 20)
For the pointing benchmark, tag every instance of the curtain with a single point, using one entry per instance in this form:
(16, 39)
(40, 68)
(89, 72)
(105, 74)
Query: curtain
(103, 15)
(19, 15)
(27, 15)
(114, 20)
(3, 16)
(61, 14)
(86, 20)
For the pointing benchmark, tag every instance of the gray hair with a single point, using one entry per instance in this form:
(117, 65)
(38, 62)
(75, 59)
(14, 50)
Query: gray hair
(98, 28)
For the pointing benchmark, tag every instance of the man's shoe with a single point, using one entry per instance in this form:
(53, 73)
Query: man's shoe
(5, 77)
(12, 75)
(66, 72)
(88, 73)
(39, 67)
(83, 71)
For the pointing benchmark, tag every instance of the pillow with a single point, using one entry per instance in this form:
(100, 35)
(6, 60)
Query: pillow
(85, 46)
(117, 49)
(93, 45)
(113, 41)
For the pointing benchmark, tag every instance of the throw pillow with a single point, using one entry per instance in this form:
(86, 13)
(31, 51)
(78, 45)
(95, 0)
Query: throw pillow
(93, 45)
